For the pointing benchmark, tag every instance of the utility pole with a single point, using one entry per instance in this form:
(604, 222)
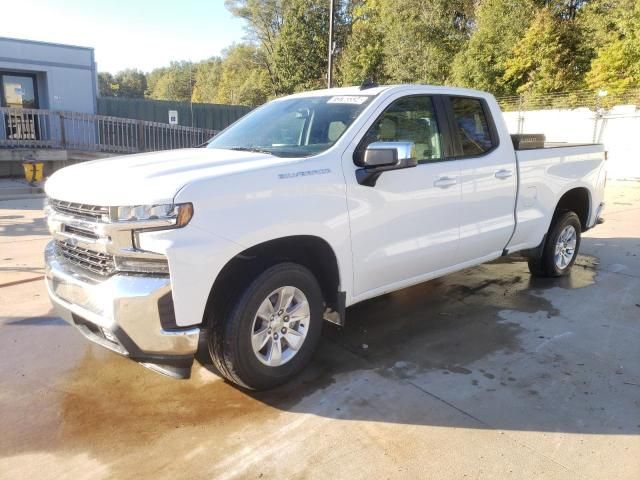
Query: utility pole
(330, 68)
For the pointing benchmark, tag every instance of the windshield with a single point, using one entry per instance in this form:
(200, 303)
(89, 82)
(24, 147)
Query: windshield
(297, 127)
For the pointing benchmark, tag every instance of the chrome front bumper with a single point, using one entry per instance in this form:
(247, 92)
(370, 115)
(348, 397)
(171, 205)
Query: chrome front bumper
(127, 314)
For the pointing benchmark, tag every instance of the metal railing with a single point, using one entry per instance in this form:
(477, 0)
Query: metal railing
(33, 128)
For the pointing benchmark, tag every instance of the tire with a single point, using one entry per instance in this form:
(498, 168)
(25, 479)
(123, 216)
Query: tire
(249, 317)
(554, 263)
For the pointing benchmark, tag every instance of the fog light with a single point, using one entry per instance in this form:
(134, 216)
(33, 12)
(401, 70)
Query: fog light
(142, 265)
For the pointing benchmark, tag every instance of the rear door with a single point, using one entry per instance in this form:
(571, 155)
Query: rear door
(406, 226)
(488, 180)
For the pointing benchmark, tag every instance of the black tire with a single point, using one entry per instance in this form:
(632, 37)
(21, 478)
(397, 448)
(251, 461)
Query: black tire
(229, 341)
(545, 265)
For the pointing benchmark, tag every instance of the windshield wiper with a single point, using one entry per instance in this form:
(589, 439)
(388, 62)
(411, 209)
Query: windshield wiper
(251, 149)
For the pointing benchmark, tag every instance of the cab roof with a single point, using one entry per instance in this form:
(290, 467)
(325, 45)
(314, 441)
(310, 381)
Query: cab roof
(373, 91)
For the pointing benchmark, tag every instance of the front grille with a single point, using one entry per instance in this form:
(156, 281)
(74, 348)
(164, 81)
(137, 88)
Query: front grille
(96, 262)
(80, 231)
(91, 212)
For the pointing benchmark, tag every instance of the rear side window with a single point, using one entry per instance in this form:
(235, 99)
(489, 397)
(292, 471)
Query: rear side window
(472, 126)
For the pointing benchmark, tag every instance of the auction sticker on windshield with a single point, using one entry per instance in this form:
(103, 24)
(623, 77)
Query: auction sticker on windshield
(352, 99)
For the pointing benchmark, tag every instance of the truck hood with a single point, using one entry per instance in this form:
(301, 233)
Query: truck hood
(149, 177)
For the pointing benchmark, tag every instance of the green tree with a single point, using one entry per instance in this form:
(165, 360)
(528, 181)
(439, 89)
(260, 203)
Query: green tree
(207, 80)
(363, 55)
(606, 20)
(175, 82)
(300, 56)
(615, 28)
(552, 56)
(106, 84)
(152, 79)
(131, 83)
(616, 68)
(422, 37)
(500, 24)
(243, 81)
(264, 20)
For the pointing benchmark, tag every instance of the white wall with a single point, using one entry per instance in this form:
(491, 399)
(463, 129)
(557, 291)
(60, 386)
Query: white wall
(618, 129)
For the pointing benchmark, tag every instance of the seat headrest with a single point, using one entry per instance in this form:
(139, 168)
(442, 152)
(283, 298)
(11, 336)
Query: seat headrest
(387, 129)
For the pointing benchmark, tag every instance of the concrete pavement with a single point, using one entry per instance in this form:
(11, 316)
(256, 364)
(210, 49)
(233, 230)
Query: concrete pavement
(486, 373)
(18, 188)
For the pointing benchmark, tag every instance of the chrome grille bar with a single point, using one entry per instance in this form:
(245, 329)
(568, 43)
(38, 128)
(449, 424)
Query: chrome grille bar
(82, 210)
(97, 262)
(80, 231)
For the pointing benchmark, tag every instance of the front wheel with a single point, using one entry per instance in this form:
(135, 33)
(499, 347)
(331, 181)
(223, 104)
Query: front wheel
(272, 329)
(561, 248)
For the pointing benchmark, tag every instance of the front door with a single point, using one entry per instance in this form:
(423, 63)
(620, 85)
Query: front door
(406, 226)
(19, 92)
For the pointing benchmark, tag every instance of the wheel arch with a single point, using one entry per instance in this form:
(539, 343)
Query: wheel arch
(578, 200)
(310, 251)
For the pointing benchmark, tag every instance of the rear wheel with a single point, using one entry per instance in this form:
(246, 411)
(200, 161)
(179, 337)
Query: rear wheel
(271, 330)
(560, 249)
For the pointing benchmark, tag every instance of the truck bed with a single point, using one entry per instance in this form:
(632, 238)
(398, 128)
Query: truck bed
(544, 176)
(537, 141)
(561, 149)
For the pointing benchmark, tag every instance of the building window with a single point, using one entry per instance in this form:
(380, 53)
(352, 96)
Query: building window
(18, 91)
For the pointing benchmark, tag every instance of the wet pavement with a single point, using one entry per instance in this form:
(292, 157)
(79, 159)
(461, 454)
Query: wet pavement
(486, 373)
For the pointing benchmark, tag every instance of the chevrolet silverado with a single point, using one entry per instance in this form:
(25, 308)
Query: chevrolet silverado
(305, 206)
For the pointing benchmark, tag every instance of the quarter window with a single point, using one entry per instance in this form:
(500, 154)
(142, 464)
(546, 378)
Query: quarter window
(472, 126)
(409, 119)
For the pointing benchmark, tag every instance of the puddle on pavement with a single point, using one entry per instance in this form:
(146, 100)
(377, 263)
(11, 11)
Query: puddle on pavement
(583, 273)
(453, 321)
(108, 404)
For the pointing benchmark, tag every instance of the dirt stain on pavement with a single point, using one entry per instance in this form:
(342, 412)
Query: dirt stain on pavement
(109, 407)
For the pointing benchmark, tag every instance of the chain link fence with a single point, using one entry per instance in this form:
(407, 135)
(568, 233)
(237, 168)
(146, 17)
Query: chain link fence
(570, 100)
(612, 119)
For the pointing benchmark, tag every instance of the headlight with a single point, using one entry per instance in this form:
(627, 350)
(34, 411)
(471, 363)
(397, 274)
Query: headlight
(178, 215)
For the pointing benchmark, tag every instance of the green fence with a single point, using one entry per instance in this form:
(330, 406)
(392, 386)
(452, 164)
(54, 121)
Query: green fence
(204, 115)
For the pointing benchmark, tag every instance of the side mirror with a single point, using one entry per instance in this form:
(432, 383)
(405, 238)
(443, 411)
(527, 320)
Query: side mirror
(380, 157)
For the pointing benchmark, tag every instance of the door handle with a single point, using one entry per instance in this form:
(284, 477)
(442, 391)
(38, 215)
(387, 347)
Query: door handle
(445, 182)
(504, 173)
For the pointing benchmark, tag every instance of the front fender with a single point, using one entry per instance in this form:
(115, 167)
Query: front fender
(236, 212)
(195, 258)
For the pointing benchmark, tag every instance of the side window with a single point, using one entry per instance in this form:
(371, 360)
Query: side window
(472, 125)
(411, 119)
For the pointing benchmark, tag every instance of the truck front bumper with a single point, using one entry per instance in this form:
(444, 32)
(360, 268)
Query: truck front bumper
(127, 314)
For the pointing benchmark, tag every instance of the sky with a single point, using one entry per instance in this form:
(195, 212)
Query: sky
(142, 34)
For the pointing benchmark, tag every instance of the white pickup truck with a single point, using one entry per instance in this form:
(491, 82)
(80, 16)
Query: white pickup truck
(307, 205)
